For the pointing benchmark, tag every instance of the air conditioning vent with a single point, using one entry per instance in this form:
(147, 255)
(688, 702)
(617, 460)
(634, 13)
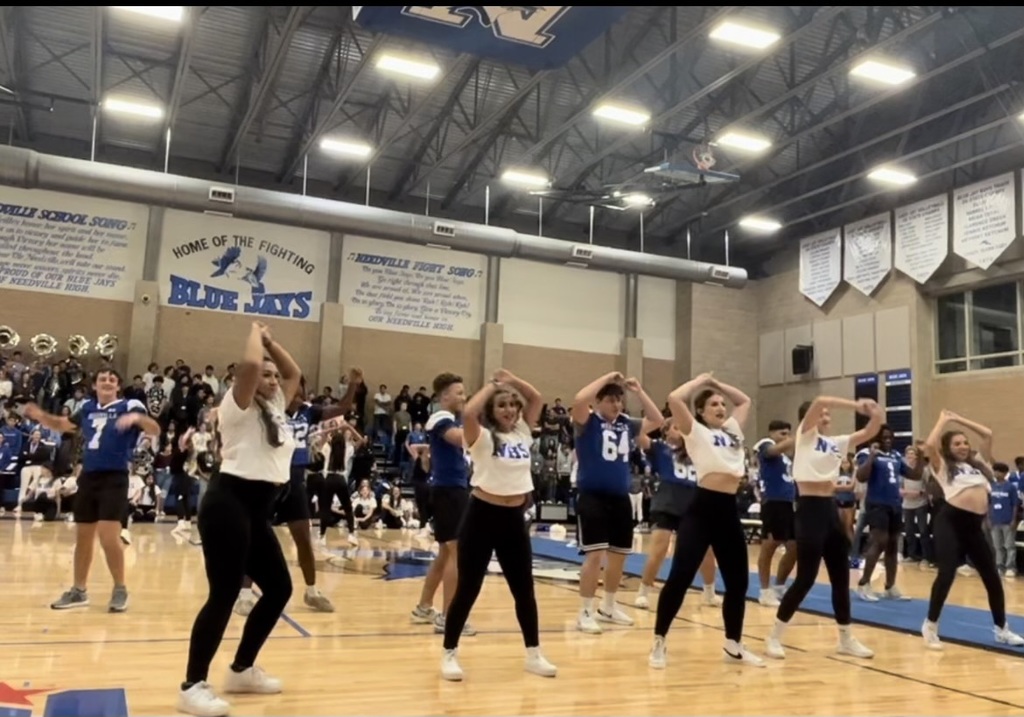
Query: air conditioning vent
(718, 272)
(222, 194)
(444, 229)
(582, 252)
(577, 264)
(214, 213)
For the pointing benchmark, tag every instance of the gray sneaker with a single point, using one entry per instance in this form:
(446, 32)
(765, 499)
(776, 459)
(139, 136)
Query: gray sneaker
(118, 599)
(72, 598)
(318, 602)
(439, 624)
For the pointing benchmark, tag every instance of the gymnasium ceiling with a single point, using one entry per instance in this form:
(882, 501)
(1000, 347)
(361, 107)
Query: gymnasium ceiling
(249, 91)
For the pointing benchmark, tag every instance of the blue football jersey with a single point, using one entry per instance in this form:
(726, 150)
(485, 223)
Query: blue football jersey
(302, 423)
(448, 466)
(104, 447)
(669, 469)
(776, 473)
(602, 452)
(884, 482)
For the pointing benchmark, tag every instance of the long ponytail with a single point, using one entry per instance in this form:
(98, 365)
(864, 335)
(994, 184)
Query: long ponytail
(270, 426)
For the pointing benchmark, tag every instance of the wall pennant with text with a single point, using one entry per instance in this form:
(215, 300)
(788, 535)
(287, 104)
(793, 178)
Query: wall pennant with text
(868, 252)
(416, 289)
(922, 237)
(984, 220)
(821, 263)
(242, 267)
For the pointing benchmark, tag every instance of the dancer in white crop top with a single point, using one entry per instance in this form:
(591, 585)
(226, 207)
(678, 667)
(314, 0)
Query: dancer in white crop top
(964, 476)
(496, 431)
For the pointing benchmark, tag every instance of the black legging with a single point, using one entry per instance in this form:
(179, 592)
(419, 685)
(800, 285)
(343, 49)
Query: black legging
(882, 540)
(486, 529)
(335, 485)
(712, 520)
(422, 497)
(234, 524)
(958, 534)
(819, 535)
(182, 486)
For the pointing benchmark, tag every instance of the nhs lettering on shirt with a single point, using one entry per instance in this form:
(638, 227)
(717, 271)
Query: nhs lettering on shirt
(826, 445)
(513, 452)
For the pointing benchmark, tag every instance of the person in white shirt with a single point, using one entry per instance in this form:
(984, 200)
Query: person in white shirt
(820, 534)
(256, 448)
(964, 476)
(210, 379)
(497, 434)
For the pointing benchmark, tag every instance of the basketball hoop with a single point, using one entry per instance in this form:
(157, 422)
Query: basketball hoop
(703, 158)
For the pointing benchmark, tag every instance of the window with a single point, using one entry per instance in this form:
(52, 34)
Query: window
(979, 329)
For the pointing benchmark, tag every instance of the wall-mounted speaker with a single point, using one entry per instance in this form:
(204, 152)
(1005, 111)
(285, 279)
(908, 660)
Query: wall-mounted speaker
(803, 358)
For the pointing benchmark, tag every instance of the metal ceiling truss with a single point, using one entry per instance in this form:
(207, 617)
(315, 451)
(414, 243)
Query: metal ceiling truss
(181, 71)
(12, 59)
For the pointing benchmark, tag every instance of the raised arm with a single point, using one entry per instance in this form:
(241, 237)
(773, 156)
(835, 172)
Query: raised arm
(774, 450)
(867, 407)
(355, 380)
(249, 369)
(291, 374)
(534, 401)
(679, 402)
(984, 432)
(55, 423)
(587, 396)
(472, 412)
(652, 414)
(740, 401)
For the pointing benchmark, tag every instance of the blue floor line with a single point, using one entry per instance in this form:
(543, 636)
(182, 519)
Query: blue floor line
(961, 625)
(288, 619)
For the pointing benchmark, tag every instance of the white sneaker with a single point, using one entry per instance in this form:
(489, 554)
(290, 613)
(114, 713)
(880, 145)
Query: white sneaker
(865, 593)
(537, 664)
(642, 600)
(894, 593)
(200, 700)
(1011, 573)
(450, 669)
(423, 615)
(126, 537)
(850, 645)
(743, 657)
(773, 649)
(244, 605)
(353, 539)
(710, 599)
(585, 622)
(1005, 636)
(930, 633)
(965, 570)
(253, 681)
(768, 598)
(616, 616)
(658, 658)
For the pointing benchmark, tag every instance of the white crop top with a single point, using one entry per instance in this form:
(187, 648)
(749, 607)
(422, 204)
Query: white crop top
(508, 471)
(964, 476)
(716, 450)
(245, 451)
(816, 458)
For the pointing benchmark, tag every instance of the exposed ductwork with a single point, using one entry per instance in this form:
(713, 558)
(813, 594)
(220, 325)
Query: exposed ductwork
(31, 170)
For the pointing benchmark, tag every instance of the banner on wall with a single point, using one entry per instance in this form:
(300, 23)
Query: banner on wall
(922, 237)
(821, 261)
(399, 287)
(984, 220)
(242, 267)
(66, 244)
(868, 259)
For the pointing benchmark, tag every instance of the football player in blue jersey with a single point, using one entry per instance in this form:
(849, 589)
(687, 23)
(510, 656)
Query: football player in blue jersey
(110, 428)
(778, 522)
(292, 506)
(605, 437)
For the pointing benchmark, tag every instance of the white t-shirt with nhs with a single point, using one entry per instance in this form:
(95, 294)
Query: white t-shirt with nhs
(507, 470)
(816, 458)
(245, 450)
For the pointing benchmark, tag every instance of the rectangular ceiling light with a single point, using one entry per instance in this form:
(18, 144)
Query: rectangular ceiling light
(409, 68)
(760, 224)
(346, 147)
(173, 13)
(747, 142)
(744, 35)
(638, 199)
(128, 107)
(625, 115)
(882, 72)
(529, 179)
(888, 175)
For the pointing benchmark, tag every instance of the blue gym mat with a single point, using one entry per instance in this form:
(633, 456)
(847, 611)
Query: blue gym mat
(960, 625)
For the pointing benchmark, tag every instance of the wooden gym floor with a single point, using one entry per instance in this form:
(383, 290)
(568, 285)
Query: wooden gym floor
(367, 658)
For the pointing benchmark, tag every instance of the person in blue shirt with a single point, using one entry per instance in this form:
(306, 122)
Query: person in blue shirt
(13, 436)
(110, 428)
(449, 496)
(605, 437)
(1004, 500)
(778, 493)
(881, 467)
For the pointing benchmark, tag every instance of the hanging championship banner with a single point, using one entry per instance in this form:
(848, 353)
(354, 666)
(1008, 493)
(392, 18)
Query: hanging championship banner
(868, 245)
(821, 262)
(922, 237)
(984, 220)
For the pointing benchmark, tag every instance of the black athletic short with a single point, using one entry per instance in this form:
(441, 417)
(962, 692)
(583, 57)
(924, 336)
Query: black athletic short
(292, 503)
(102, 495)
(778, 521)
(670, 503)
(888, 518)
(447, 505)
(604, 522)
(846, 503)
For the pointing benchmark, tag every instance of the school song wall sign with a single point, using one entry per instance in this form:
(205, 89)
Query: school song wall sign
(242, 267)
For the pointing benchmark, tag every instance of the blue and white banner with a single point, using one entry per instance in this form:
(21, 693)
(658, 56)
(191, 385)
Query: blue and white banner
(540, 37)
(68, 244)
(421, 290)
(242, 267)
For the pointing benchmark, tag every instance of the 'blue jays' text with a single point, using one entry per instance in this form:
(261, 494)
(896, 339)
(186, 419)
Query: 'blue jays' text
(194, 295)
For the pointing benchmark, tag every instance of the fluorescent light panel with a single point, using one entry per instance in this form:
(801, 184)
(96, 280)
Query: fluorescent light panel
(128, 107)
(747, 142)
(745, 35)
(883, 72)
(624, 115)
(173, 13)
(346, 147)
(530, 179)
(889, 175)
(410, 68)
(638, 199)
(760, 224)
